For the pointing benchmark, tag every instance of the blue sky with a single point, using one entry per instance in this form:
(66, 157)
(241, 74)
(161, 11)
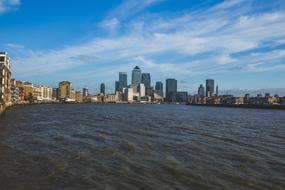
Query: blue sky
(239, 43)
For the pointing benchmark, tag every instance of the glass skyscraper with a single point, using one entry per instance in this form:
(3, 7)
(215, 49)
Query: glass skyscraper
(210, 87)
(146, 80)
(102, 88)
(171, 89)
(136, 76)
(159, 88)
(123, 80)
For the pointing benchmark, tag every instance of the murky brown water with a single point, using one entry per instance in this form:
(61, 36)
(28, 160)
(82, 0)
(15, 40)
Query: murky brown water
(141, 147)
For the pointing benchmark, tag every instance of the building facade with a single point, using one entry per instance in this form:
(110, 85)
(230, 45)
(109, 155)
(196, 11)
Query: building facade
(5, 78)
(136, 76)
(146, 79)
(65, 88)
(171, 89)
(201, 91)
(102, 88)
(123, 80)
(159, 88)
(210, 85)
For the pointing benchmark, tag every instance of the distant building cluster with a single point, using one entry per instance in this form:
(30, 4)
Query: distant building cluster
(140, 90)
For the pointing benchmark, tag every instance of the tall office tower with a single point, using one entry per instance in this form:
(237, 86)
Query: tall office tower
(171, 89)
(123, 80)
(146, 79)
(159, 88)
(210, 85)
(201, 90)
(136, 76)
(5, 78)
(85, 92)
(142, 89)
(217, 90)
(102, 88)
(117, 86)
(65, 88)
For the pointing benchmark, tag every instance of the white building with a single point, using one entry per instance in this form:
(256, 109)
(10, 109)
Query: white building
(142, 89)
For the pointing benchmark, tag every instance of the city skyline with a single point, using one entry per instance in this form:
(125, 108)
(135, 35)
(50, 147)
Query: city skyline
(189, 41)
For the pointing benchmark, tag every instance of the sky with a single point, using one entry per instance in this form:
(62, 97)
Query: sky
(239, 43)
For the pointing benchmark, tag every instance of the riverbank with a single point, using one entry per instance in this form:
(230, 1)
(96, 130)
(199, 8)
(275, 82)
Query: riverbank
(248, 106)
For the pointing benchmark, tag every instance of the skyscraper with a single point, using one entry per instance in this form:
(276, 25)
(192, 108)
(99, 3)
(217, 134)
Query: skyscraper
(136, 76)
(171, 89)
(146, 79)
(201, 90)
(85, 92)
(102, 88)
(159, 88)
(210, 85)
(217, 90)
(123, 80)
(117, 86)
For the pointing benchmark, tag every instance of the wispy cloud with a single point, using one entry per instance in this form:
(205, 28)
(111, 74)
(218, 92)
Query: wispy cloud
(227, 37)
(8, 5)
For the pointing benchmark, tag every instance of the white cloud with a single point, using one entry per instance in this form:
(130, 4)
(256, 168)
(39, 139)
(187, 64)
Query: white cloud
(8, 5)
(110, 24)
(186, 44)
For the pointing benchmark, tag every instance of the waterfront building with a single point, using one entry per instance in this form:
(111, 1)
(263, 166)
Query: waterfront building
(5, 78)
(210, 85)
(136, 76)
(156, 97)
(146, 79)
(55, 93)
(85, 92)
(78, 96)
(19, 85)
(102, 89)
(159, 88)
(72, 95)
(65, 88)
(134, 87)
(46, 93)
(141, 90)
(181, 96)
(201, 91)
(130, 95)
(123, 80)
(29, 91)
(14, 91)
(171, 89)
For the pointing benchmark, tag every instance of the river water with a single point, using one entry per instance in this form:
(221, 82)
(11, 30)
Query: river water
(147, 147)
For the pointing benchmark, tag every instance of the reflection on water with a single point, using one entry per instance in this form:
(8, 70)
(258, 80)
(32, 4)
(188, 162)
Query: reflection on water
(141, 147)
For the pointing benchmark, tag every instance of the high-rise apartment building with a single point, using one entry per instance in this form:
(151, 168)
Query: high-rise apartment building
(171, 89)
(136, 76)
(210, 87)
(65, 88)
(5, 78)
(159, 88)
